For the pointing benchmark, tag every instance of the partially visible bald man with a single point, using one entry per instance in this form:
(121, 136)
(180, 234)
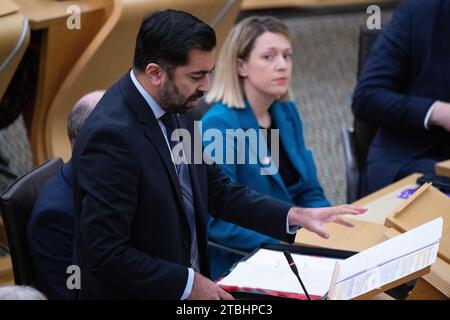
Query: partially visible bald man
(51, 226)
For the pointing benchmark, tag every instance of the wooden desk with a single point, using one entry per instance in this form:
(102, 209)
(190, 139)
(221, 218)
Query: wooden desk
(6, 274)
(443, 168)
(365, 234)
(307, 4)
(368, 230)
(6, 271)
(432, 286)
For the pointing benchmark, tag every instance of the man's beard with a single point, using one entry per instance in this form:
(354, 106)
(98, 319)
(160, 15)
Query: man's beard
(171, 99)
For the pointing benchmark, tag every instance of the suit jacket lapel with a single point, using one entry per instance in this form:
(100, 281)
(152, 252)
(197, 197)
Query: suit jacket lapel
(199, 201)
(153, 132)
(146, 118)
(444, 27)
(288, 138)
(248, 121)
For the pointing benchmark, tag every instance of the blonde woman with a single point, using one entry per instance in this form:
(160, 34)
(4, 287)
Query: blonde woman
(251, 90)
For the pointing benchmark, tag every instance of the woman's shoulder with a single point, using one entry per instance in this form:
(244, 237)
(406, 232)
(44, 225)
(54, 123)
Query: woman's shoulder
(289, 107)
(220, 113)
(290, 103)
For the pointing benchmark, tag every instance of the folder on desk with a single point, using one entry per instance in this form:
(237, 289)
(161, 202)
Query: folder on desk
(359, 276)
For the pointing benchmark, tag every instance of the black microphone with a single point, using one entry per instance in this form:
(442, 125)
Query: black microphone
(291, 262)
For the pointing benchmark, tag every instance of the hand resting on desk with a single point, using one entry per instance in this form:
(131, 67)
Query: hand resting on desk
(312, 219)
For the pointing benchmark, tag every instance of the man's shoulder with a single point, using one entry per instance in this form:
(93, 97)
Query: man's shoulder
(419, 8)
(109, 122)
(113, 108)
(55, 194)
(420, 4)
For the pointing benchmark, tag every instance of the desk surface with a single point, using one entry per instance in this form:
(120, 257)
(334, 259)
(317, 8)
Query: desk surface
(6, 274)
(364, 234)
(270, 4)
(8, 7)
(443, 168)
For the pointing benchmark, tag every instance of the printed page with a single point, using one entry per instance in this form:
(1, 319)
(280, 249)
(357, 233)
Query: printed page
(269, 270)
(388, 261)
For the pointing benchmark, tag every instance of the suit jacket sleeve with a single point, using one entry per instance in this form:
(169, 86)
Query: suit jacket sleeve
(238, 204)
(381, 96)
(107, 176)
(50, 235)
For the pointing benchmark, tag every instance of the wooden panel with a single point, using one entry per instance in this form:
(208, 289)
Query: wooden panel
(11, 27)
(362, 236)
(6, 273)
(43, 13)
(2, 232)
(75, 62)
(271, 4)
(8, 7)
(439, 278)
(108, 57)
(60, 50)
(443, 168)
(427, 206)
(425, 291)
(224, 25)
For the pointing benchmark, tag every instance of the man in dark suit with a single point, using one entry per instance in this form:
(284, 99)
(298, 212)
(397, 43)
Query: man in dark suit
(141, 210)
(404, 90)
(51, 226)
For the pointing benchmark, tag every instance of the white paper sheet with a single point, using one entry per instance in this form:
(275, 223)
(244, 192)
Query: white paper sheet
(268, 269)
(388, 261)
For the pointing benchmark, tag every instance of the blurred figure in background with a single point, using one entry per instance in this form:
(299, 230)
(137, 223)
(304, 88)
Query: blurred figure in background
(404, 90)
(20, 293)
(51, 226)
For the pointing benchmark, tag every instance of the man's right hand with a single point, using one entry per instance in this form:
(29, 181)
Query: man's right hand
(205, 289)
(440, 115)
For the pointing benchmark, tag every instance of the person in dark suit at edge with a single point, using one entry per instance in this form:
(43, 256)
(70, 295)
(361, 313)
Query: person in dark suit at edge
(51, 225)
(140, 209)
(404, 90)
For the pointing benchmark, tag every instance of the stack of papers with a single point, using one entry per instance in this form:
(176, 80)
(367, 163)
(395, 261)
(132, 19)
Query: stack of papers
(388, 263)
(267, 272)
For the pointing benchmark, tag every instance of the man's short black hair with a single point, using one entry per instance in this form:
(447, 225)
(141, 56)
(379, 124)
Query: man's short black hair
(167, 37)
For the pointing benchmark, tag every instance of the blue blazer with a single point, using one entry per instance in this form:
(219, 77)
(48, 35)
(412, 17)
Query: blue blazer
(50, 235)
(407, 71)
(306, 193)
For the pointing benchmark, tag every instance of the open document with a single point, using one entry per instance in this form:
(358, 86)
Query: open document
(392, 262)
(267, 272)
(387, 262)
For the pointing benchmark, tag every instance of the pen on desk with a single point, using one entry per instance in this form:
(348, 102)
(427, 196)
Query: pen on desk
(291, 262)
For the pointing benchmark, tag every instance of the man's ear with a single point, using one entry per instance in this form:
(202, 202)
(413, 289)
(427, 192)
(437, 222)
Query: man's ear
(154, 73)
(242, 68)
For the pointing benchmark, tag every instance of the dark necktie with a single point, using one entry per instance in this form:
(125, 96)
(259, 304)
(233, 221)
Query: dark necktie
(170, 122)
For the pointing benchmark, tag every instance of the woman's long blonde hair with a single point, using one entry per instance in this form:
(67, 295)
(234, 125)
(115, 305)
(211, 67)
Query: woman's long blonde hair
(227, 86)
